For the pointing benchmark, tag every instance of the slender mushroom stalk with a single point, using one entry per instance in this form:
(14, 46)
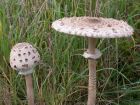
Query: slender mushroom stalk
(23, 58)
(29, 88)
(93, 27)
(92, 72)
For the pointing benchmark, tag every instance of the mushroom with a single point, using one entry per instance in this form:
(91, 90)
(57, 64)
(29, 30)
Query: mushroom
(92, 28)
(23, 58)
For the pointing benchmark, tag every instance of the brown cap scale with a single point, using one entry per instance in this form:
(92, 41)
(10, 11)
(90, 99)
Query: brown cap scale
(24, 57)
(92, 28)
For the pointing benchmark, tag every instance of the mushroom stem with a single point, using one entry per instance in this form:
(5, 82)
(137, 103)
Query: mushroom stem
(29, 86)
(92, 73)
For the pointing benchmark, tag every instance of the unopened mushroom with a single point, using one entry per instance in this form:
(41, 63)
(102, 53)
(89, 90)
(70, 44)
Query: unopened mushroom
(92, 28)
(23, 58)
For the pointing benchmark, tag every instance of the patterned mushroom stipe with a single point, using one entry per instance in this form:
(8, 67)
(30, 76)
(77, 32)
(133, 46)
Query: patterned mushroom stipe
(93, 27)
(24, 57)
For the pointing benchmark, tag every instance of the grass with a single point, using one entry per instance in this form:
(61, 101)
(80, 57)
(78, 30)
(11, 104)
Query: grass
(61, 78)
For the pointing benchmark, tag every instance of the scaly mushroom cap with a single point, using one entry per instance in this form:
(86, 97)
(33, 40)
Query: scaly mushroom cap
(93, 27)
(24, 57)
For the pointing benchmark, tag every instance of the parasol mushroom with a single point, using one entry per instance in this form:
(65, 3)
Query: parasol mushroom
(23, 58)
(92, 28)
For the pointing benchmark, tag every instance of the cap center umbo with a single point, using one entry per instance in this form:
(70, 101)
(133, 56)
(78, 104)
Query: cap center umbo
(92, 20)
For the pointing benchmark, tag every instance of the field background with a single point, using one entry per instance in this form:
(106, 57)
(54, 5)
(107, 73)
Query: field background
(61, 78)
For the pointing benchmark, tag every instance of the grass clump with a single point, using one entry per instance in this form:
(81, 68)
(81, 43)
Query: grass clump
(61, 78)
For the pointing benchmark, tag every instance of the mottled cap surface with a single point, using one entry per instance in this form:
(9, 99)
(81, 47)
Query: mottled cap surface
(93, 27)
(24, 57)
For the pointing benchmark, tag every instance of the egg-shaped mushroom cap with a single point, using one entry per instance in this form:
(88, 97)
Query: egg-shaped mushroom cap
(24, 57)
(93, 27)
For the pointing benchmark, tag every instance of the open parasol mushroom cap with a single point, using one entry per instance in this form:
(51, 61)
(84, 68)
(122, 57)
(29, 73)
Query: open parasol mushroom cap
(93, 27)
(24, 57)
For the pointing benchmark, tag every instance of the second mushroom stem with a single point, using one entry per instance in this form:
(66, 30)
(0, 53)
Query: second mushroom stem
(29, 86)
(92, 73)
